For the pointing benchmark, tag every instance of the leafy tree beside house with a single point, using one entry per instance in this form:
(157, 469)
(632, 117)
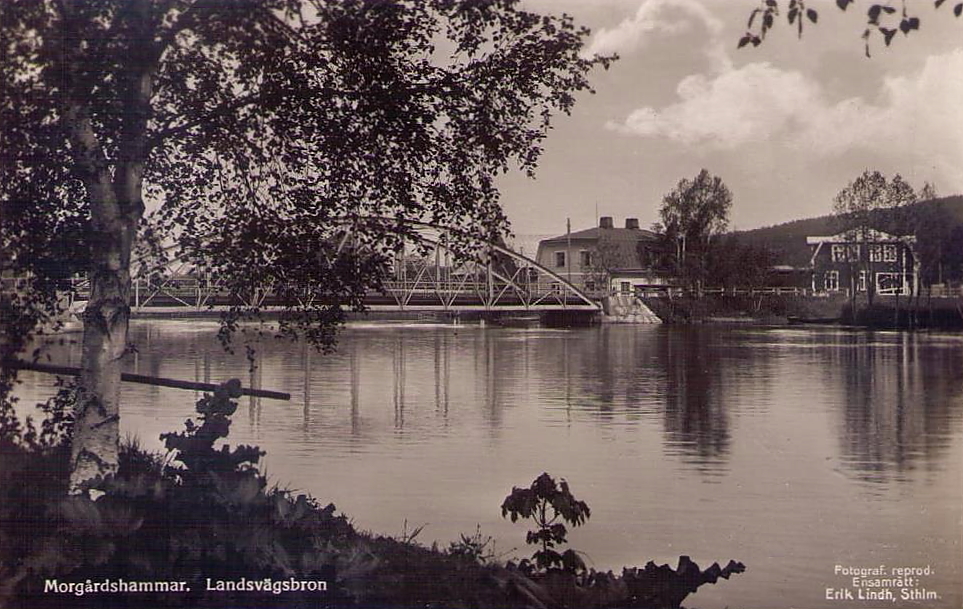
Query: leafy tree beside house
(255, 127)
(928, 192)
(868, 204)
(939, 236)
(735, 264)
(606, 256)
(692, 214)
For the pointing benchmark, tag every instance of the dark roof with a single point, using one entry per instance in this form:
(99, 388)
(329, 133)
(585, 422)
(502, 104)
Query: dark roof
(615, 234)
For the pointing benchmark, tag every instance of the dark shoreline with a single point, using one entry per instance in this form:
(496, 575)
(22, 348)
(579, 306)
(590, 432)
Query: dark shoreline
(801, 311)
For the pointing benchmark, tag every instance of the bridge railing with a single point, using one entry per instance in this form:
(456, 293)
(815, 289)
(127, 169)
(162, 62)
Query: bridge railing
(200, 292)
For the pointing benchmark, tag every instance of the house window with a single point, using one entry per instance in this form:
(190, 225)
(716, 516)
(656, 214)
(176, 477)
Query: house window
(889, 283)
(854, 253)
(839, 253)
(556, 287)
(559, 259)
(861, 283)
(625, 287)
(875, 253)
(589, 286)
(889, 253)
(585, 258)
(831, 281)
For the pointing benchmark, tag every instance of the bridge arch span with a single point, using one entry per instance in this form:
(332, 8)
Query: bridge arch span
(429, 273)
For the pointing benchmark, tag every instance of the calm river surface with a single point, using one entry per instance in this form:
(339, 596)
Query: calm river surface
(791, 450)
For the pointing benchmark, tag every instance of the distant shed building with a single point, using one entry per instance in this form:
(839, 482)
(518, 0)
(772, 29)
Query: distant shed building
(789, 276)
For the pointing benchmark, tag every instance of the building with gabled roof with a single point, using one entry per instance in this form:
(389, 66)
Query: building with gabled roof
(864, 260)
(605, 258)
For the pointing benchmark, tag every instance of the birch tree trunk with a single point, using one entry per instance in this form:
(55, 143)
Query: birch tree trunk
(114, 189)
(94, 448)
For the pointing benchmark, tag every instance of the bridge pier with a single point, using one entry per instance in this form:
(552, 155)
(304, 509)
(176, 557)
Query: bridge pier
(569, 319)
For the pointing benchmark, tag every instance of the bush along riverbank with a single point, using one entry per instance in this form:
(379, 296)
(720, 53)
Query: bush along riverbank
(201, 527)
(749, 308)
(887, 312)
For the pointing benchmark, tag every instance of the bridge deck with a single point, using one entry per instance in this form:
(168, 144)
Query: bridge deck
(197, 299)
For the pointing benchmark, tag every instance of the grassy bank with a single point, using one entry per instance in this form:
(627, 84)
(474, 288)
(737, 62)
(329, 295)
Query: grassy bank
(196, 523)
(763, 308)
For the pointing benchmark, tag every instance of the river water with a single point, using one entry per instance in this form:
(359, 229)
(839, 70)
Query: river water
(792, 450)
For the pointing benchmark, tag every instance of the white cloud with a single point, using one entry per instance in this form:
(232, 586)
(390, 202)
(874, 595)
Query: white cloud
(653, 16)
(734, 108)
(923, 116)
(918, 117)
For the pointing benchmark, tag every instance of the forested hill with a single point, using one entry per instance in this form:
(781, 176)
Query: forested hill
(787, 242)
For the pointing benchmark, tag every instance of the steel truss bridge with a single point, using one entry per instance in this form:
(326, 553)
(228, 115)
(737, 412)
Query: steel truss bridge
(425, 276)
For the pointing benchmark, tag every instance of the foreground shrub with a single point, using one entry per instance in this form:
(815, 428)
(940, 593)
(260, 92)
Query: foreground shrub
(563, 580)
(200, 513)
(546, 502)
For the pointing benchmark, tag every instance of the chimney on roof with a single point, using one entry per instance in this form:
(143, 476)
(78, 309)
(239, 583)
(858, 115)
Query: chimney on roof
(605, 222)
(632, 223)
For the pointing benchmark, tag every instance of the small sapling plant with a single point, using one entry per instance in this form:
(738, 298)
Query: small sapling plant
(549, 504)
(477, 548)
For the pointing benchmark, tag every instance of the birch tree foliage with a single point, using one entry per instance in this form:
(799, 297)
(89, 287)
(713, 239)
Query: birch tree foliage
(884, 20)
(255, 131)
(857, 206)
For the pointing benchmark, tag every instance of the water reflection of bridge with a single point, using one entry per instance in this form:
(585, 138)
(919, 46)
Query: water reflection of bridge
(434, 270)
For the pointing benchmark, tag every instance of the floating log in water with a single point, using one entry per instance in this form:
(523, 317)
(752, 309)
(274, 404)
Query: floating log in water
(143, 379)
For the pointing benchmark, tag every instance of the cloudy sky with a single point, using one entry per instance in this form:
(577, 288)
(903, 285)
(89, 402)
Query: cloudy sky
(786, 125)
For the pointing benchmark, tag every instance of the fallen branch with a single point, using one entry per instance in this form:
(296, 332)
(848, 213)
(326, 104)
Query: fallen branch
(143, 379)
